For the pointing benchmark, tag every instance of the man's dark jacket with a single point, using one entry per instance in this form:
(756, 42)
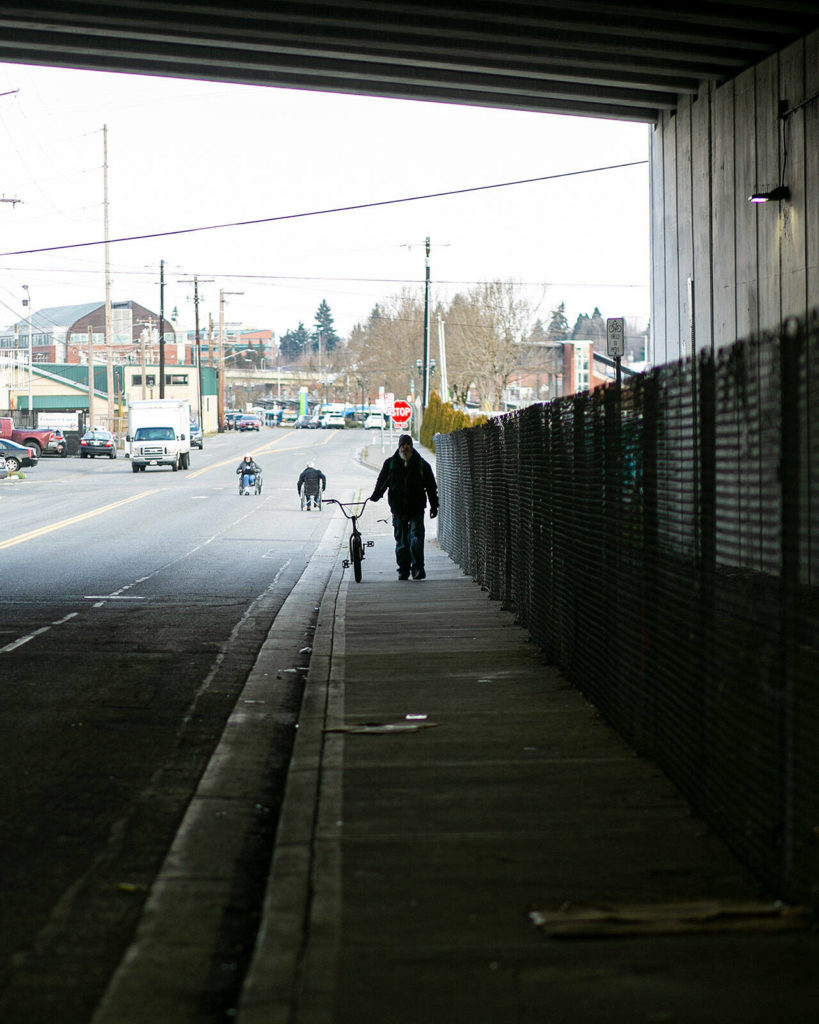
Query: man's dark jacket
(313, 480)
(407, 485)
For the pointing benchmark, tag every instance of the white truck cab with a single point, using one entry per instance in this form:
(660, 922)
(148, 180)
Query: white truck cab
(159, 433)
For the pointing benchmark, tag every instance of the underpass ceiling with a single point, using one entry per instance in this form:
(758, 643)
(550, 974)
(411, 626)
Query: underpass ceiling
(602, 59)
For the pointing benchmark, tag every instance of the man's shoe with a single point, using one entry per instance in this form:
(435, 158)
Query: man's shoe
(403, 575)
(419, 574)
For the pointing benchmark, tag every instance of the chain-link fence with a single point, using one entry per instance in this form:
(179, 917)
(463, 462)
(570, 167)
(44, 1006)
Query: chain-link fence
(661, 544)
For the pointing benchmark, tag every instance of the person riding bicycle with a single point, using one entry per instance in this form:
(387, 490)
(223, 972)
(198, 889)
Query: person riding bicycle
(408, 480)
(314, 482)
(248, 470)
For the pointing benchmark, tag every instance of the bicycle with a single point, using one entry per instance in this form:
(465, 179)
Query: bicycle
(357, 543)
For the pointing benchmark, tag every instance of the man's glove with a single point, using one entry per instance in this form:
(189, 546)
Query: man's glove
(433, 512)
(373, 497)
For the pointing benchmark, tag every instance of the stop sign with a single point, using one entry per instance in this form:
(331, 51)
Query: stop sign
(401, 413)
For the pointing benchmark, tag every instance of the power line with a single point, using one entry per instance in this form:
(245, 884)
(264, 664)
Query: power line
(330, 280)
(321, 213)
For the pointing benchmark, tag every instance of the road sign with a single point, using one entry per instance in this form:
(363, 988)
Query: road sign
(615, 336)
(401, 413)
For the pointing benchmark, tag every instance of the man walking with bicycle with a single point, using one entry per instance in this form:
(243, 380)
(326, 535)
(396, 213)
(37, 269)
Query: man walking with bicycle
(408, 480)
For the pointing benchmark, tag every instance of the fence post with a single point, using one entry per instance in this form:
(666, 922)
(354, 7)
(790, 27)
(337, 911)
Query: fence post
(790, 350)
(706, 540)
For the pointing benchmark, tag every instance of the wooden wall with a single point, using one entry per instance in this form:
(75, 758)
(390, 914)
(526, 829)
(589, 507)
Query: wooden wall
(751, 264)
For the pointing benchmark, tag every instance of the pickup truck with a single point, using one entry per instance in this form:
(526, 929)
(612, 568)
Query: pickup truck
(40, 440)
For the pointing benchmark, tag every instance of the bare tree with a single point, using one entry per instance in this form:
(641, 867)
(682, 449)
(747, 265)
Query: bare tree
(386, 347)
(486, 329)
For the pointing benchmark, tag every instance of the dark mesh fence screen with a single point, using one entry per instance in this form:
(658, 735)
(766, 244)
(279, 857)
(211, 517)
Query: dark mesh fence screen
(661, 544)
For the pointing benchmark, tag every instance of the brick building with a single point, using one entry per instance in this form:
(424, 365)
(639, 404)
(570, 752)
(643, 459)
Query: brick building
(60, 334)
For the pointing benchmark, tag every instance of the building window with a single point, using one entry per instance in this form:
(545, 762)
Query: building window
(581, 367)
(150, 379)
(176, 378)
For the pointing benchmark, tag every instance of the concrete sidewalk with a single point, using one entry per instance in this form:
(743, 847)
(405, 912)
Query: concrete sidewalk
(409, 864)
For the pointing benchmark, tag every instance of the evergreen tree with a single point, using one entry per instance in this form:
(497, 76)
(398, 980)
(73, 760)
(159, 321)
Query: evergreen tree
(537, 335)
(597, 326)
(324, 329)
(559, 329)
(294, 344)
(581, 331)
(591, 328)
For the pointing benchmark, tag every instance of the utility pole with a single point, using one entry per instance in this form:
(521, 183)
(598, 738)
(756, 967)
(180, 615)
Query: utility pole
(162, 328)
(198, 340)
(220, 405)
(90, 377)
(426, 331)
(27, 302)
(109, 332)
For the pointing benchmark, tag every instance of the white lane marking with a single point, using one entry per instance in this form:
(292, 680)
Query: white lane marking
(23, 640)
(37, 632)
(65, 618)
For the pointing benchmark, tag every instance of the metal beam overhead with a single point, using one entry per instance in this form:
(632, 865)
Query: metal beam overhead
(615, 60)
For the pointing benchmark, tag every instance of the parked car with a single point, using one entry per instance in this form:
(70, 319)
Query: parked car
(98, 442)
(248, 423)
(197, 441)
(334, 420)
(230, 418)
(306, 423)
(4, 469)
(375, 421)
(17, 455)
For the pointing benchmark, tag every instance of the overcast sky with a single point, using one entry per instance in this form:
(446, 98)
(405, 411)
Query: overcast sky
(185, 154)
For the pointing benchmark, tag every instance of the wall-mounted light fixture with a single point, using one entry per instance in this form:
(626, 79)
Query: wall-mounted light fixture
(779, 194)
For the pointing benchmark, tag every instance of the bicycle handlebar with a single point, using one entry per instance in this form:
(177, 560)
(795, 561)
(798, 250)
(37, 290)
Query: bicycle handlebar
(344, 505)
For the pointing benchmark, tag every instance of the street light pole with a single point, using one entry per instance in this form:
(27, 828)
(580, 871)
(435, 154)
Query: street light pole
(221, 372)
(162, 328)
(109, 330)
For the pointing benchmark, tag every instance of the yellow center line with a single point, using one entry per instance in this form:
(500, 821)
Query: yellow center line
(21, 537)
(262, 449)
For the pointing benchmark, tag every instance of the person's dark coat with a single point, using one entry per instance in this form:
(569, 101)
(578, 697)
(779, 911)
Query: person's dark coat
(248, 467)
(407, 485)
(313, 480)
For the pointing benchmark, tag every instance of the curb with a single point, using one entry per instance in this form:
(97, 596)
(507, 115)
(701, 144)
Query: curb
(164, 972)
(293, 909)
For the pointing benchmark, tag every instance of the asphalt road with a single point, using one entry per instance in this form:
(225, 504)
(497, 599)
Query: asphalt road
(132, 607)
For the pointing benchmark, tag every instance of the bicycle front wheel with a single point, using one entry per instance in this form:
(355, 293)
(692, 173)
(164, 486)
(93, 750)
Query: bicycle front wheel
(356, 554)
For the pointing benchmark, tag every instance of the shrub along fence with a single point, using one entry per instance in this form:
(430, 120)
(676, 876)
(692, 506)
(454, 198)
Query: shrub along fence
(661, 544)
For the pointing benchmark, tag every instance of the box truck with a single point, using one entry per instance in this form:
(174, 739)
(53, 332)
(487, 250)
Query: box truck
(159, 433)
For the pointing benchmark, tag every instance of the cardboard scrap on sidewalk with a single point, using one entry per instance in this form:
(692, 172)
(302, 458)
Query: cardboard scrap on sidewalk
(589, 920)
(382, 728)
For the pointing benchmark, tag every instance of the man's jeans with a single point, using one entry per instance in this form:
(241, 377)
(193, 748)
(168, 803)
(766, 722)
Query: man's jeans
(409, 543)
